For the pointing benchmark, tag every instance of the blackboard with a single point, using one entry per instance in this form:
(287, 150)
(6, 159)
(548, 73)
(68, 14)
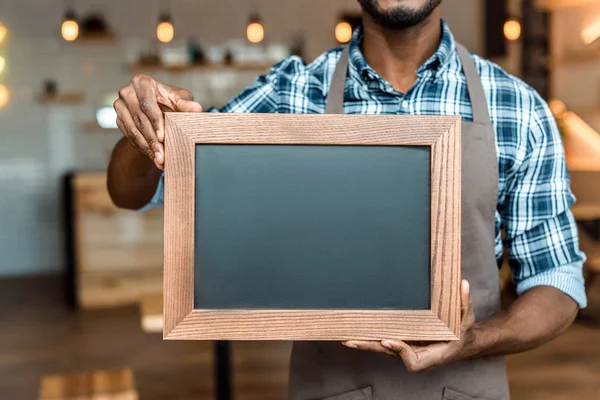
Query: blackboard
(312, 227)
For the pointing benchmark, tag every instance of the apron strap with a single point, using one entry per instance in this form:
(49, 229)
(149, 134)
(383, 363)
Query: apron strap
(335, 97)
(479, 104)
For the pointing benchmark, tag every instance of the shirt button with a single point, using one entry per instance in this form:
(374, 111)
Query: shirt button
(405, 104)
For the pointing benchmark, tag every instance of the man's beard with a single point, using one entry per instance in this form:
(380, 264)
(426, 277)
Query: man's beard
(399, 17)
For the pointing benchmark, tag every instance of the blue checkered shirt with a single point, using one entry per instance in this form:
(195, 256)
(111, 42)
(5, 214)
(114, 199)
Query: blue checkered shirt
(534, 197)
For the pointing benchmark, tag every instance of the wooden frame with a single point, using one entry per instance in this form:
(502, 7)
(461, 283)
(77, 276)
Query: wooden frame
(441, 133)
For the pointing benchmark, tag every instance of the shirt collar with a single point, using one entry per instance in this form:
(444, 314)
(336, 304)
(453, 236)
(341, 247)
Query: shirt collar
(436, 63)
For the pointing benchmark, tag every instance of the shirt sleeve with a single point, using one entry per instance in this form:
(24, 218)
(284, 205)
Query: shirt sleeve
(261, 97)
(541, 233)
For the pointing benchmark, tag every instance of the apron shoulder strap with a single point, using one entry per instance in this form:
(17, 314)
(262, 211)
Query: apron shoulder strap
(479, 104)
(335, 98)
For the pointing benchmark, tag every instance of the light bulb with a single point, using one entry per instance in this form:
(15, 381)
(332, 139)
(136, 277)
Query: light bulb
(2, 64)
(3, 32)
(4, 96)
(343, 32)
(70, 28)
(165, 32)
(255, 32)
(512, 29)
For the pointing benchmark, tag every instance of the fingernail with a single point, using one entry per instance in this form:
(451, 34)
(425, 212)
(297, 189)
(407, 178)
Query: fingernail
(158, 157)
(351, 345)
(386, 344)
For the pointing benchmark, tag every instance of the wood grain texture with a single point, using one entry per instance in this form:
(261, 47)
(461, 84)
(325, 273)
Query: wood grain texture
(446, 227)
(185, 130)
(96, 385)
(323, 325)
(319, 129)
(179, 226)
(118, 253)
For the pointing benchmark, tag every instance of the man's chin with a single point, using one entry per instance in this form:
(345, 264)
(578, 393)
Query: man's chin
(399, 14)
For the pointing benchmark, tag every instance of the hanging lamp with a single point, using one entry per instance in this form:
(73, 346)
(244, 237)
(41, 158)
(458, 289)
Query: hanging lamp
(69, 29)
(165, 30)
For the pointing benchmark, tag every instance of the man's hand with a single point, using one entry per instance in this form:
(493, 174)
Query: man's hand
(424, 357)
(140, 108)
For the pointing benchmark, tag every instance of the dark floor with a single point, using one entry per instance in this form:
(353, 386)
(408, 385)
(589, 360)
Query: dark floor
(40, 335)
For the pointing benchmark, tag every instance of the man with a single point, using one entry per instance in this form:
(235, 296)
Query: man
(404, 60)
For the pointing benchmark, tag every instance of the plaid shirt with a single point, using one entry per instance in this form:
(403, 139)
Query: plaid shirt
(534, 197)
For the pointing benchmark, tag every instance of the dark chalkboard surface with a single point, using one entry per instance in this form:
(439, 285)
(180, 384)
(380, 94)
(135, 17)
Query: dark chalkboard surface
(312, 227)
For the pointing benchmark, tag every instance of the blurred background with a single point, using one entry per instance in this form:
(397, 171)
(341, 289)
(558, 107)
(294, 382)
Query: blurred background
(80, 281)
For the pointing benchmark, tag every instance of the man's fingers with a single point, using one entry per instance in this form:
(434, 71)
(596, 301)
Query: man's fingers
(405, 352)
(418, 358)
(142, 123)
(465, 295)
(127, 127)
(145, 90)
(367, 346)
(466, 307)
(188, 106)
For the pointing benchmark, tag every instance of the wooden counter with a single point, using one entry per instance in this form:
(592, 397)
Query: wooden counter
(118, 253)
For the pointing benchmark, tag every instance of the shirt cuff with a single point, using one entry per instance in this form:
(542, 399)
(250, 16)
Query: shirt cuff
(159, 195)
(568, 279)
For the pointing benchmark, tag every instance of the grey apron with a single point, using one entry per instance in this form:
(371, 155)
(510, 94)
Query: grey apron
(328, 370)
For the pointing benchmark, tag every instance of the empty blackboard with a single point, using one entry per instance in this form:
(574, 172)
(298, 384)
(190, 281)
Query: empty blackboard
(313, 227)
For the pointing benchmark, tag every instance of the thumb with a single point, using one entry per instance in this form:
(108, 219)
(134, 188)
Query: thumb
(465, 292)
(183, 105)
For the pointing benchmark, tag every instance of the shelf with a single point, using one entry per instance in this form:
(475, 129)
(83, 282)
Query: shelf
(92, 126)
(575, 60)
(241, 67)
(64, 98)
(555, 5)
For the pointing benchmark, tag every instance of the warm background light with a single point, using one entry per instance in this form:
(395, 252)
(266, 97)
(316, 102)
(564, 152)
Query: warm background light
(2, 64)
(557, 107)
(512, 29)
(591, 33)
(4, 96)
(343, 32)
(3, 32)
(69, 30)
(255, 32)
(165, 31)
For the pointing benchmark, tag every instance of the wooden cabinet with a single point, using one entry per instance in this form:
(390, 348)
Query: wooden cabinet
(118, 254)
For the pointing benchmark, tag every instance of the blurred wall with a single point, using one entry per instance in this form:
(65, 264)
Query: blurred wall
(575, 65)
(39, 143)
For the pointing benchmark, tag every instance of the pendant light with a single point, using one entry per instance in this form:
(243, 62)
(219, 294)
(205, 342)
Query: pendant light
(165, 30)
(4, 96)
(3, 32)
(512, 29)
(347, 23)
(69, 28)
(255, 32)
(343, 32)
